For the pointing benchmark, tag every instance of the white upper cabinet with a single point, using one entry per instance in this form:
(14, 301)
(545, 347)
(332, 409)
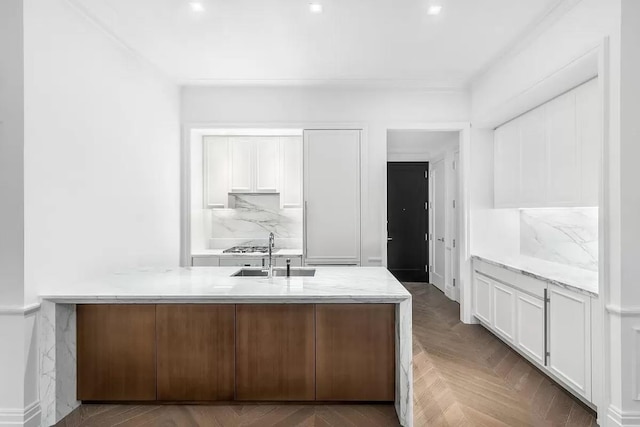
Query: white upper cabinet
(241, 164)
(252, 164)
(507, 166)
(291, 173)
(550, 156)
(589, 134)
(267, 168)
(563, 167)
(216, 171)
(533, 155)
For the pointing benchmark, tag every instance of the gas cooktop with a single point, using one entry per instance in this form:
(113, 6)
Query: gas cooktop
(246, 250)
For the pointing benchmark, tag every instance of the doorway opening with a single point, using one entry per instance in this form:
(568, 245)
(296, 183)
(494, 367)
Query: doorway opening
(422, 216)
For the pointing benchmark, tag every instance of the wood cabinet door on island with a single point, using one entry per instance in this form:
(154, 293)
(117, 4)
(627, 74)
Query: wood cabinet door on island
(116, 352)
(355, 352)
(196, 352)
(275, 352)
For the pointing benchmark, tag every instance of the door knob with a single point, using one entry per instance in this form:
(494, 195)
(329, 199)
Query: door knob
(389, 239)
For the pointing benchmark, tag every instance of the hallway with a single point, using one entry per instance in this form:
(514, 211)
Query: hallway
(464, 375)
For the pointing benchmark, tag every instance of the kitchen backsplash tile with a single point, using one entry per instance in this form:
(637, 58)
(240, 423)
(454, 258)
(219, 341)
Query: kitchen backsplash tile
(563, 235)
(254, 217)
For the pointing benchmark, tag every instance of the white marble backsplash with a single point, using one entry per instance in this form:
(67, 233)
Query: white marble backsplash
(562, 235)
(254, 216)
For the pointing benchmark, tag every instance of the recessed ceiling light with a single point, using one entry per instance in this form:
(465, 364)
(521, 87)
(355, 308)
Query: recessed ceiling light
(196, 6)
(434, 9)
(315, 7)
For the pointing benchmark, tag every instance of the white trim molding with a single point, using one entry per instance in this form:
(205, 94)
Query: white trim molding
(27, 417)
(14, 310)
(616, 417)
(623, 311)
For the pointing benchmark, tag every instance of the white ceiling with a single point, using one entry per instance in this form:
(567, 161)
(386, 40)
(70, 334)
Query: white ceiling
(421, 143)
(380, 42)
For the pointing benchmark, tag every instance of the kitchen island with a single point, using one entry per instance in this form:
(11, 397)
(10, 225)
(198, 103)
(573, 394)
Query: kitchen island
(341, 335)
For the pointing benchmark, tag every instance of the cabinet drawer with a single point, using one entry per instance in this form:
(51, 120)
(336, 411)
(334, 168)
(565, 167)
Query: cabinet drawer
(205, 261)
(242, 262)
(517, 280)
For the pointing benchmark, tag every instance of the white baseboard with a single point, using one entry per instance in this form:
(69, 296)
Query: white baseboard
(27, 417)
(618, 418)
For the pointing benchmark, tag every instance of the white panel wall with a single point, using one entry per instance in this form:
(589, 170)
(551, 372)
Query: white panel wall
(625, 330)
(372, 108)
(11, 157)
(101, 153)
(12, 339)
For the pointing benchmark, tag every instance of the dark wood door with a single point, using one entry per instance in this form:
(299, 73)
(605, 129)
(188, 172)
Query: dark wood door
(407, 195)
(116, 350)
(275, 352)
(355, 352)
(196, 352)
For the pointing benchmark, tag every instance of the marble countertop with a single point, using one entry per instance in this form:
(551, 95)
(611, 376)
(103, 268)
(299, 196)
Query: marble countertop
(559, 274)
(219, 252)
(215, 284)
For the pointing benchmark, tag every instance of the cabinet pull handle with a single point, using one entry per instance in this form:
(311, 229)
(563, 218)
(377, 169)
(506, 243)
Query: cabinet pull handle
(306, 226)
(546, 338)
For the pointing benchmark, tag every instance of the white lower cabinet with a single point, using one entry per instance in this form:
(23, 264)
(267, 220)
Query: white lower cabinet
(205, 261)
(530, 333)
(482, 298)
(556, 335)
(504, 310)
(245, 261)
(570, 338)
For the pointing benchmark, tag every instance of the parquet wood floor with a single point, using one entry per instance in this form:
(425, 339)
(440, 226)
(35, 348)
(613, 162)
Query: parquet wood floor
(463, 376)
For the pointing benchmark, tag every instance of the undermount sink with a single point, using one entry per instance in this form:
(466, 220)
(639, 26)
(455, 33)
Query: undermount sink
(277, 272)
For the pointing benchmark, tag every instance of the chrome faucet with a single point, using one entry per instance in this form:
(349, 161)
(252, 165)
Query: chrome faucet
(272, 244)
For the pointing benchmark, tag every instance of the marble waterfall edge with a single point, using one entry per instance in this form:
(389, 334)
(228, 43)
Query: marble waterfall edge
(57, 361)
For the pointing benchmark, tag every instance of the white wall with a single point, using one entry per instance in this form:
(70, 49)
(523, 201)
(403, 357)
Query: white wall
(89, 172)
(373, 108)
(11, 154)
(101, 153)
(420, 145)
(566, 39)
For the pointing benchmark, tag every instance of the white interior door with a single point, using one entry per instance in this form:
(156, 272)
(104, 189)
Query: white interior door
(332, 196)
(437, 274)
